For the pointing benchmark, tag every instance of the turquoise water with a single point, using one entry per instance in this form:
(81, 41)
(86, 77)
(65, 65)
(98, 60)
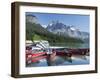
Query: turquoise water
(71, 45)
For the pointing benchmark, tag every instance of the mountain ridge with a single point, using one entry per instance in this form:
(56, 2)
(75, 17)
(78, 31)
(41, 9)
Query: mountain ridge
(35, 28)
(66, 30)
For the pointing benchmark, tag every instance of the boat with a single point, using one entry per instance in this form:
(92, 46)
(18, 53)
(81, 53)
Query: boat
(80, 51)
(71, 51)
(63, 52)
(34, 55)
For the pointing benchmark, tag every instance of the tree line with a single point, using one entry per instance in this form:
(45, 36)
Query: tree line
(36, 29)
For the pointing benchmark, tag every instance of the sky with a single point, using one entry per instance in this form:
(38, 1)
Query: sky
(80, 22)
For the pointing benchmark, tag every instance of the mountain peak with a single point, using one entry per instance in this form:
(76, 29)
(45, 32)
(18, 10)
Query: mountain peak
(31, 19)
(55, 25)
(59, 28)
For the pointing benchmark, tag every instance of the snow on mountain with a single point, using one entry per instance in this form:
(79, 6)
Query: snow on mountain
(44, 26)
(59, 28)
(72, 28)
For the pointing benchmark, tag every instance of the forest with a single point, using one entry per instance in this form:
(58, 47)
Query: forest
(37, 32)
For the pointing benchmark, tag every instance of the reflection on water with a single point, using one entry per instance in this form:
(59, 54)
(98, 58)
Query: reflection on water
(71, 45)
(64, 60)
(60, 61)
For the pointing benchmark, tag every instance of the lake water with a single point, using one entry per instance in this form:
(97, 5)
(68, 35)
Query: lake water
(60, 61)
(71, 45)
